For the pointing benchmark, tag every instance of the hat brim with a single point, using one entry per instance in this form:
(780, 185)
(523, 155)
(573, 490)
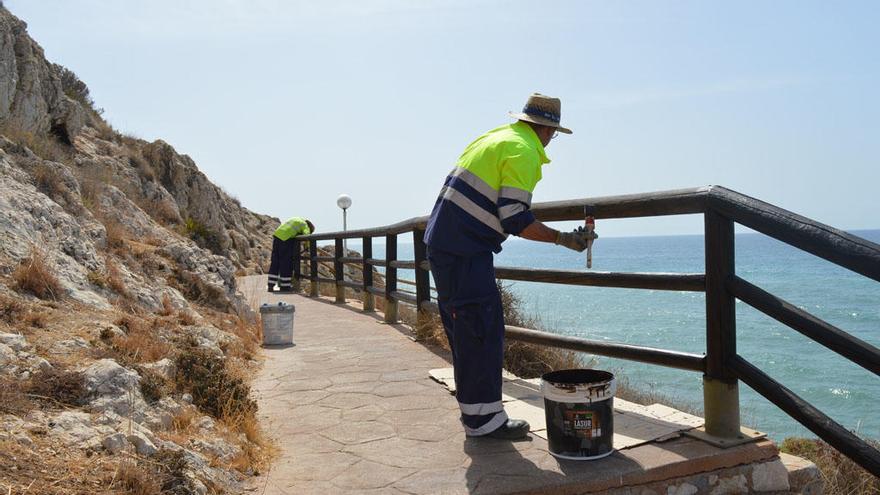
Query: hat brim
(539, 121)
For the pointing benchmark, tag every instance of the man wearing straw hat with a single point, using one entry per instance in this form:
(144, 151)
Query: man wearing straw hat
(486, 197)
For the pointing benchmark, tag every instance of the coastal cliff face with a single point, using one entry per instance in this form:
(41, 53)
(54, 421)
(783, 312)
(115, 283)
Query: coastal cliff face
(122, 333)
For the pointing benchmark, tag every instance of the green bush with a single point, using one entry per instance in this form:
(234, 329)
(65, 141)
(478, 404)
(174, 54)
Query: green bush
(204, 237)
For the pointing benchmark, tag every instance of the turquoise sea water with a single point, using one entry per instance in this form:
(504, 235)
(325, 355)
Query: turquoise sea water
(676, 320)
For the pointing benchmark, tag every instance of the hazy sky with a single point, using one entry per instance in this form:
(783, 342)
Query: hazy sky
(288, 104)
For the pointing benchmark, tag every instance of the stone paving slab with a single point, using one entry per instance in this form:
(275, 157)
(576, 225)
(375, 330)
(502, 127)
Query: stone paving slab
(354, 411)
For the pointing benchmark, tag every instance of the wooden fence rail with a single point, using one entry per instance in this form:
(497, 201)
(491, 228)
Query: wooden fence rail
(721, 366)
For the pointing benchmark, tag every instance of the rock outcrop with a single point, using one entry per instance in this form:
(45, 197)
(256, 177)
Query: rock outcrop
(118, 262)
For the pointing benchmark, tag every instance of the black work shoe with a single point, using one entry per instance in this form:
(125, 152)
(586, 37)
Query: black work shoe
(513, 429)
(271, 289)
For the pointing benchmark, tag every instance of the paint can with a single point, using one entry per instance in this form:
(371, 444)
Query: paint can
(579, 407)
(277, 323)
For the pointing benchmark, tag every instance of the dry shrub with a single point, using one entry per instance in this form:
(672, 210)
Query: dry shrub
(212, 386)
(184, 419)
(153, 385)
(840, 475)
(164, 472)
(13, 397)
(167, 306)
(139, 344)
(186, 318)
(35, 319)
(530, 360)
(49, 181)
(42, 145)
(135, 479)
(196, 290)
(11, 309)
(115, 281)
(116, 233)
(645, 395)
(33, 276)
(44, 471)
(164, 211)
(97, 278)
(55, 387)
(249, 333)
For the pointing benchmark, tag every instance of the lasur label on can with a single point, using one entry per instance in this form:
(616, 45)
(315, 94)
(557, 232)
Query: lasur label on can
(583, 424)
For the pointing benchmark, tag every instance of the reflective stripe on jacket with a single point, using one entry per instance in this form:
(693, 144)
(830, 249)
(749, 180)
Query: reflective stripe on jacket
(291, 228)
(488, 195)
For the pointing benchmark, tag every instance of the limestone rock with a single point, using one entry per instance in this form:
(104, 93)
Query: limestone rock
(770, 477)
(74, 428)
(115, 388)
(164, 367)
(115, 443)
(14, 341)
(733, 485)
(7, 356)
(69, 345)
(142, 444)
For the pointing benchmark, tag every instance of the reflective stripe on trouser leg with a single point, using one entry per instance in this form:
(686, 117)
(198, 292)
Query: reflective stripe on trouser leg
(470, 308)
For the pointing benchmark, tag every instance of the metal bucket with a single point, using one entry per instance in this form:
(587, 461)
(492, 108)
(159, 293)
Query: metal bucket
(579, 406)
(277, 323)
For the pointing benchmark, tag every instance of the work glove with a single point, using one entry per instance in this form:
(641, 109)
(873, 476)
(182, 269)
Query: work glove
(572, 240)
(592, 236)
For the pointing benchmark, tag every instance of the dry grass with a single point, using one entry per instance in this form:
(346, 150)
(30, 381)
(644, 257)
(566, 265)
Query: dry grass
(49, 181)
(97, 278)
(139, 344)
(44, 146)
(114, 279)
(11, 309)
(167, 306)
(116, 233)
(134, 479)
(840, 475)
(14, 398)
(58, 387)
(32, 275)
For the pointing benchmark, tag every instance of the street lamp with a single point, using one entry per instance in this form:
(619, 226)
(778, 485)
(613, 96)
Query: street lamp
(344, 202)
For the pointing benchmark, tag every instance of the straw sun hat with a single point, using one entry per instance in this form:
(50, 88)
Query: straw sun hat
(542, 110)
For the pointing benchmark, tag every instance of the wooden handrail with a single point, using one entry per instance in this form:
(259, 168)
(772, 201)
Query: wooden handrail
(721, 365)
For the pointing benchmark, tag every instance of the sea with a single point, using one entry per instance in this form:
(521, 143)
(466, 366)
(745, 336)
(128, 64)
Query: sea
(677, 320)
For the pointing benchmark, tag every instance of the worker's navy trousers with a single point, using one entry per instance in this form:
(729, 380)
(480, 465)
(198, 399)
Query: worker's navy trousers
(281, 264)
(470, 307)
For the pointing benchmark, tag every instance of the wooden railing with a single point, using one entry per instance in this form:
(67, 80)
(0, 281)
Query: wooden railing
(721, 366)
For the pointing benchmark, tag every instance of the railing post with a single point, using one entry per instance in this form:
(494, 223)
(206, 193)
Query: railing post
(390, 278)
(339, 269)
(720, 385)
(367, 275)
(423, 280)
(313, 268)
(297, 265)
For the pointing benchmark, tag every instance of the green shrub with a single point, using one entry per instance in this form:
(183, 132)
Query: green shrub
(204, 237)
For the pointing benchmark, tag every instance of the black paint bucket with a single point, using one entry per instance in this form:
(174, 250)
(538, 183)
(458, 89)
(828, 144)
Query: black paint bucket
(579, 406)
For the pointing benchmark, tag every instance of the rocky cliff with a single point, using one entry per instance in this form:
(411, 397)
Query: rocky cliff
(124, 344)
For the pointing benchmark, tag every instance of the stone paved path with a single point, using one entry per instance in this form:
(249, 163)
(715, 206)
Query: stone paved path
(354, 411)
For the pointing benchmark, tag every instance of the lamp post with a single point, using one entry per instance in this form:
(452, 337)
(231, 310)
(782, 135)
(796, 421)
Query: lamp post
(344, 202)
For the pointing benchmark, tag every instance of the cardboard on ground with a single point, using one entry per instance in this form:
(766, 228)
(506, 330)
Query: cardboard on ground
(634, 424)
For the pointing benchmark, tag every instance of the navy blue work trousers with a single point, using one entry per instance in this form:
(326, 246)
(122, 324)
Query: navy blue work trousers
(281, 264)
(470, 307)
